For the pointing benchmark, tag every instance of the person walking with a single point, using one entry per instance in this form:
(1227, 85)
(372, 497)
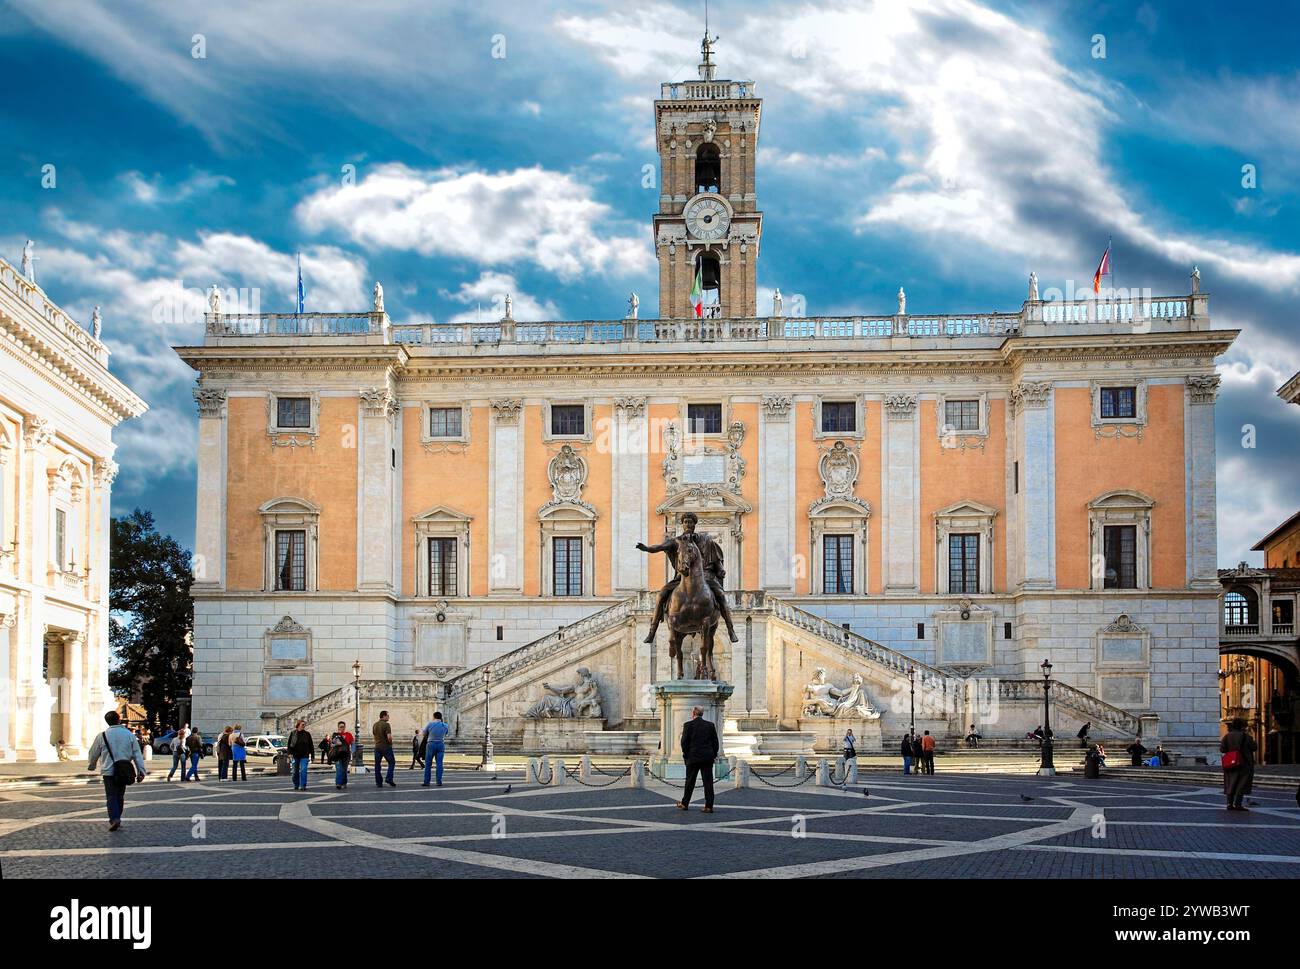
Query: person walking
(699, 749)
(238, 754)
(435, 747)
(120, 761)
(194, 747)
(927, 752)
(850, 745)
(341, 754)
(1238, 749)
(383, 736)
(302, 750)
(417, 751)
(223, 754)
(178, 752)
(907, 753)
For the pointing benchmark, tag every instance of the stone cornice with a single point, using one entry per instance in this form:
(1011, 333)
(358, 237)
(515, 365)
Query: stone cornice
(80, 374)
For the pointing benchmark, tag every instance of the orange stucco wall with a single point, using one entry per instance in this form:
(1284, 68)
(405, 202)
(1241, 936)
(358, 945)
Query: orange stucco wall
(453, 478)
(951, 474)
(325, 475)
(1284, 552)
(1087, 467)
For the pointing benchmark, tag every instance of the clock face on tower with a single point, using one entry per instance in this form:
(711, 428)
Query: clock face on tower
(707, 218)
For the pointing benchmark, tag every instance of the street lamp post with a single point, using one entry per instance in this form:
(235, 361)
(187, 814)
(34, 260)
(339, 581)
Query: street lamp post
(488, 763)
(1046, 767)
(911, 679)
(356, 711)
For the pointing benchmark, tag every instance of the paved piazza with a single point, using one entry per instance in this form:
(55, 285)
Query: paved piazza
(945, 826)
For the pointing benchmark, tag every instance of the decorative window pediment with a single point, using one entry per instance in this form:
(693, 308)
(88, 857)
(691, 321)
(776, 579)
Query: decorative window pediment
(1120, 509)
(965, 517)
(567, 520)
(703, 467)
(839, 515)
(442, 522)
(287, 514)
(1105, 425)
(293, 435)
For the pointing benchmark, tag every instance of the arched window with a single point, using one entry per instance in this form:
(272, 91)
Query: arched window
(708, 168)
(708, 271)
(1240, 608)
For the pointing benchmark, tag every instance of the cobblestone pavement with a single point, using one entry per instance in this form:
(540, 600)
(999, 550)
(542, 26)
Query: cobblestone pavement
(943, 826)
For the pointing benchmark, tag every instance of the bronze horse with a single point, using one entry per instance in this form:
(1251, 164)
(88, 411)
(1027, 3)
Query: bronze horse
(691, 609)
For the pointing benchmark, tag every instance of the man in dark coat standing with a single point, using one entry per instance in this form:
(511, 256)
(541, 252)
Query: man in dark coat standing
(699, 750)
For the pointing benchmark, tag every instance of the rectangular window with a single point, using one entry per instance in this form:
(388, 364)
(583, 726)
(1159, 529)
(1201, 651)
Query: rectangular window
(1118, 401)
(964, 564)
(1121, 556)
(60, 538)
(444, 421)
(293, 412)
(291, 561)
(566, 566)
(837, 565)
(704, 418)
(962, 415)
(839, 417)
(568, 420)
(442, 566)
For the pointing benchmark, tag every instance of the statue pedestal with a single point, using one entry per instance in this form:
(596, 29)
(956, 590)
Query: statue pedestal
(675, 700)
(830, 731)
(559, 735)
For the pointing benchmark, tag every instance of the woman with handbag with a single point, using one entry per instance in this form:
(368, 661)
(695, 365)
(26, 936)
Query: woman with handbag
(194, 747)
(1238, 749)
(238, 755)
(223, 754)
(117, 753)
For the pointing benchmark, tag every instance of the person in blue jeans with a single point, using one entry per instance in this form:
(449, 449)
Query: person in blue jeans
(435, 735)
(341, 754)
(194, 747)
(301, 749)
(907, 754)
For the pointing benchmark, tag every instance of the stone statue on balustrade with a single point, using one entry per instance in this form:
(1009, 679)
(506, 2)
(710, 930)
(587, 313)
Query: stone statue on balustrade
(581, 700)
(824, 699)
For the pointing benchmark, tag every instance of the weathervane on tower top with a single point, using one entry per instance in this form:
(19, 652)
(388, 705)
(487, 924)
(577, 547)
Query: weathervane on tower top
(708, 70)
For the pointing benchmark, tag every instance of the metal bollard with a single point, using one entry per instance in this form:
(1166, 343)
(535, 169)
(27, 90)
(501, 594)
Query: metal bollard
(823, 773)
(638, 774)
(741, 778)
(800, 767)
(584, 768)
(558, 777)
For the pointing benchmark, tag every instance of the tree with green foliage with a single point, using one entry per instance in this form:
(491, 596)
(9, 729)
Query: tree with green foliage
(151, 615)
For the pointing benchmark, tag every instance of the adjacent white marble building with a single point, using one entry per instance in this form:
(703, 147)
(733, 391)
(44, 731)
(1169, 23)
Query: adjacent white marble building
(58, 407)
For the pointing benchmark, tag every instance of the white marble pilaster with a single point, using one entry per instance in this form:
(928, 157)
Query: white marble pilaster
(209, 562)
(776, 486)
(902, 483)
(1202, 547)
(630, 465)
(375, 522)
(505, 528)
(1036, 503)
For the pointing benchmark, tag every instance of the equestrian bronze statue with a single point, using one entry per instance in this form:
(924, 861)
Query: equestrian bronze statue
(693, 599)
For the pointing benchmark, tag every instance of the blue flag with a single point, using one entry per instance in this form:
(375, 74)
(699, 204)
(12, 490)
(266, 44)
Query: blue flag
(301, 293)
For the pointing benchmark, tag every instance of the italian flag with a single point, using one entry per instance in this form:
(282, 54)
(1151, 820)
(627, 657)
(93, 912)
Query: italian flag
(697, 292)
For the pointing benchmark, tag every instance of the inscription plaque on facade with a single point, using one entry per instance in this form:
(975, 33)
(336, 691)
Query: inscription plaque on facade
(965, 642)
(1122, 650)
(288, 649)
(1124, 691)
(290, 687)
(704, 468)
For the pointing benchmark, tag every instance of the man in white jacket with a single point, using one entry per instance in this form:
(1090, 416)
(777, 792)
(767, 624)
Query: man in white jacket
(115, 745)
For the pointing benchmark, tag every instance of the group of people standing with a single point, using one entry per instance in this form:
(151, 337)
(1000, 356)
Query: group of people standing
(230, 750)
(428, 748)
(918, 751)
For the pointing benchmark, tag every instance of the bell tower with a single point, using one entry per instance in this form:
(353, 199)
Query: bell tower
(708, 225)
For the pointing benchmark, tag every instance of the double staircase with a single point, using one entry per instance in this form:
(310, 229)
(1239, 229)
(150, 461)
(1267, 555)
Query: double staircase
(516, 669)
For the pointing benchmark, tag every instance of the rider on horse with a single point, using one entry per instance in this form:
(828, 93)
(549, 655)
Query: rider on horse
(714, 573)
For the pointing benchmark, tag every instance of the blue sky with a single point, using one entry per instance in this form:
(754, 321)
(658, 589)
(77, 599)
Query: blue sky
(948, 146)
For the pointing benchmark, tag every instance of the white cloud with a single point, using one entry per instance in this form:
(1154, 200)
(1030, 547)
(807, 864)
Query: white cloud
(488, 293)
(154, 189)
(526, 215)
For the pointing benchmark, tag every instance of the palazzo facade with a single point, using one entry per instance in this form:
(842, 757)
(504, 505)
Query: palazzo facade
(58, 407)
(976, 492)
